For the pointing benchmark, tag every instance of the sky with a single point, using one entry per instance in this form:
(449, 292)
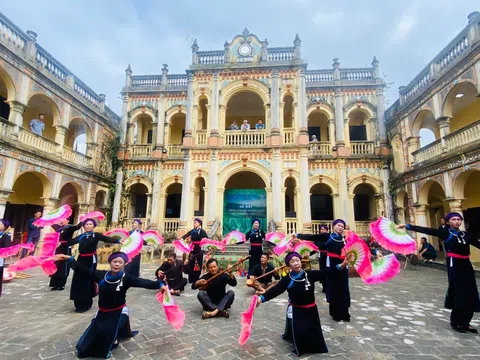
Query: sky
(96, 40)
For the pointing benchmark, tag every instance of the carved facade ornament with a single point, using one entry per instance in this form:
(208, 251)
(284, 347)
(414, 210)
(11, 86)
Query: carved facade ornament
(175, 178)
(320, 179)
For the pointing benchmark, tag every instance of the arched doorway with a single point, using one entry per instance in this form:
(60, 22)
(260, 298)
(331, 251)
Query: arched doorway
(26, 198)
(321, 203)
(318, 126)
(42, 105)
(100, 200)
(290, 198)
(69, 195)
(199, 199)
(6, 93)
(138, 201)
(432, 196)
(244, 199)
(202, 114)
(358, 126)
(288, 112)
(245, 105)
(176, 131)
(143, 130)
(78, 136)
(364, 203)
(174, 201)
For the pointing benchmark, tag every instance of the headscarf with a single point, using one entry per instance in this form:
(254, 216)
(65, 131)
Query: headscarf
(118, 254)
(92, 220)
(138, 221)
(453, 214)
(199, 221)
(259, 222)
(5, 223)
(324, 226)
(290, 256)
(335, 222)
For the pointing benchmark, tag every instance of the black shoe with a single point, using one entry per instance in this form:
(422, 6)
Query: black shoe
(460, 329)
(54, 288)
(60, 288)
(472, 330)
(337, 320)
(81, 310)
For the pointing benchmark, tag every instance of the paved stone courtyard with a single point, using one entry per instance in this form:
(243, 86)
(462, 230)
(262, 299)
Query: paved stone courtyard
(403, 319)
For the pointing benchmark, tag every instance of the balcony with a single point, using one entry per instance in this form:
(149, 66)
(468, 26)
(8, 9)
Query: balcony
(4, 127)
(289, 136)
(76, 158)
(362, 228)
(463, 136)
(427, 152)
(201, 138)
(251, 138)
(175, 151)
(128, 222)
(362, 147)
(316, 225)
(139, 151)
(38, 142)
(320, 148)
(291, 226)
(171, 225)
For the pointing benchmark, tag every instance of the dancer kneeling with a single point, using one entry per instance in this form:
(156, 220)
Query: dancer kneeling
(111, 321)
(302, 323)
(215, 300)
(264, 283)
(171, 272)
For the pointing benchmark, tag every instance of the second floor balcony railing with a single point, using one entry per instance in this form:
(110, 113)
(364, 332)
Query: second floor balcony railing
(463, 136)
(76, 158)
(175, 151)
(289, 136)
(362, 147)
(4, 127)
(320, 148)
(171, 225)
(251, 138)
(137, 151)
(428, 152)
(28, 138)
(201, 138)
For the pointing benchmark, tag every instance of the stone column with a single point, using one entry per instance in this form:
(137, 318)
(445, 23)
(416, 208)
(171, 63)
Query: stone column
(386, 192)
(302, 109)
(188, 140)
(154, 217)
(400, 215)
(9, 174)
(148, 213)
(305, 190)
(118, 196)
(212, 188)
(382, 130)
(277, 185)
(3, 202)
(413, 145)
(160, 123)
(343, 189)
(350, 216)
(16, 116)
(444, 124)
(124, 120)
(339, 119)
(275, 103)
(421, 212)
(214, 106)
(49, 205)
(60, 132)
(184, 215)
(331, 131)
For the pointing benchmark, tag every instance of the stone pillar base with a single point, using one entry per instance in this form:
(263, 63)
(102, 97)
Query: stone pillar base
(276, 139)
(343, 151)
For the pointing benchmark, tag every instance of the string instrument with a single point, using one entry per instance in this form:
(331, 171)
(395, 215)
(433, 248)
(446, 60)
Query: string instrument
(250, 282)
(229, 268)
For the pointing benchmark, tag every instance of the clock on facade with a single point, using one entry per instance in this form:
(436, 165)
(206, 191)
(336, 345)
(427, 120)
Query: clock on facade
(244, 50)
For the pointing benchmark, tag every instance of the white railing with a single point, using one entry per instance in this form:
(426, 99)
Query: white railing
(177, 80)
(140, 81)
(320, 148)
(281, 54)
(201, 138)
(453, 52)
(210, 57)
(248, 138)
(10, 35)
(87, 93)
(356, 74)
(420, 82)
(49, 63)
(289, 136)
(318, 75)
(291, 226)
(4, 127)
(174, 151)
(128, 222)
(36, 141)
(362, 147)
(362, 228)
(427, 152)
(171, 225)
(76, 158)
(463, 136)
(143, 150)
(316, 225)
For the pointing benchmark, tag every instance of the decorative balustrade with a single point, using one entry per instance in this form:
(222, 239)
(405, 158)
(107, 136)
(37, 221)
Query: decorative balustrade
(87, 93)
(281, 54)
(362, 147)
(249, 138)
(142, 81)
(28, 138)
(51, 64)
(427, 152)
(171, 225)
(76, 158)
(210, 57)
(289, 137)
(420, 82)
(318, 76)
(316, 225)
(356, 74)
(136, 151)
(4, 127)
(320, 148)
(175, 151)
(448, 57)
(464, 136)
(291, 226)
(362, 228)
(201, 138)
(10, 34)
(177, 80)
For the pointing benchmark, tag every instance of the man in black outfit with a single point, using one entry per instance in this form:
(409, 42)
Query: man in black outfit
(171, 272)
(265, 283)
(215, 299)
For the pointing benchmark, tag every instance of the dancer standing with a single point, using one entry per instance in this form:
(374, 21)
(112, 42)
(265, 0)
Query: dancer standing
(256, 236)
(5, 241)
(83, 287)
(111, 321)
(59, 279)
(194, 263)
(462, 294)
(302, 320)
(133, 267)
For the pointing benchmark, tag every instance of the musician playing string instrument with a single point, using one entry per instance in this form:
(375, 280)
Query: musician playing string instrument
(265, 282)
(215, 299)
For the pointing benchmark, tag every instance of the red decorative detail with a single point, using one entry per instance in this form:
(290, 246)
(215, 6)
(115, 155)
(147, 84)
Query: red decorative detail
(175, 178)
(290, 172)
(143, 109)
(179, 108)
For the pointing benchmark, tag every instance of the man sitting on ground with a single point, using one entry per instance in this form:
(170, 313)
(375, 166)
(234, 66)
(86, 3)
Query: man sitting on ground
(171, 272)
(265, 283)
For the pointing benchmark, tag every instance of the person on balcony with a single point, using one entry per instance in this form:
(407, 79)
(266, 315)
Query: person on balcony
(37, 125)
(245, 126)
(314, 142)
(427, 251)
(193, 265)
(256, 237)
(462, 294)
(233, 126)
(33, 233)
(260, 125)
(133, 267)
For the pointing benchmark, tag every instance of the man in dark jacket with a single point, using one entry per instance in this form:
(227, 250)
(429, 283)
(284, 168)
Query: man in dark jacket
(33, 233)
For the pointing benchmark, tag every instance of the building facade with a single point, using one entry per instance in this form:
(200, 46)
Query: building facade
(320, 153)
(65, 162)
(441, 104)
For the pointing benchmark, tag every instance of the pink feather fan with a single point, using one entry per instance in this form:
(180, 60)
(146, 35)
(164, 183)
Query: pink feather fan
(391, 238)
(13, 250)
(175, 316)
(247, 322)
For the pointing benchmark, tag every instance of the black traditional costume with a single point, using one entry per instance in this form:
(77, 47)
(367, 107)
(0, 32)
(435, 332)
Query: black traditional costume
(462, 293)
(133, 266)
(59, 279)
(256, 237)
(173, 275)
(194, 266)
(320, 241)
(83, 287)
(216, 296)
(5, 241)
(266, 281)
(111, 321)
(302, 320)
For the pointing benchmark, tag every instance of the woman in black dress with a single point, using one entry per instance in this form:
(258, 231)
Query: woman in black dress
(193, 265)
(83, 287)
(302, 322)
(133, 267)
(112, 321)
(5, 241)
(59, 279)
(462, 294)
(256, 236)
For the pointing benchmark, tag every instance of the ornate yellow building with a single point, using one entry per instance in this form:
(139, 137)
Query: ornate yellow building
(182, 158)
(67, 163)
(435, 134)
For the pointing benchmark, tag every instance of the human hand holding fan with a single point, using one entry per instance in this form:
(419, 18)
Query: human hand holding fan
(54, 216)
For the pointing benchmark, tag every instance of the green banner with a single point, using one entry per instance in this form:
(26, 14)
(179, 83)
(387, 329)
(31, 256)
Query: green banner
(241, 206)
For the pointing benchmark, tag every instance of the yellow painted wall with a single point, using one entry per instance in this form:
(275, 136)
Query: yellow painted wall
(317, 119)
(472, 200)
(178, 125)
(30, 114)
(28, 189)
(465, 116)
